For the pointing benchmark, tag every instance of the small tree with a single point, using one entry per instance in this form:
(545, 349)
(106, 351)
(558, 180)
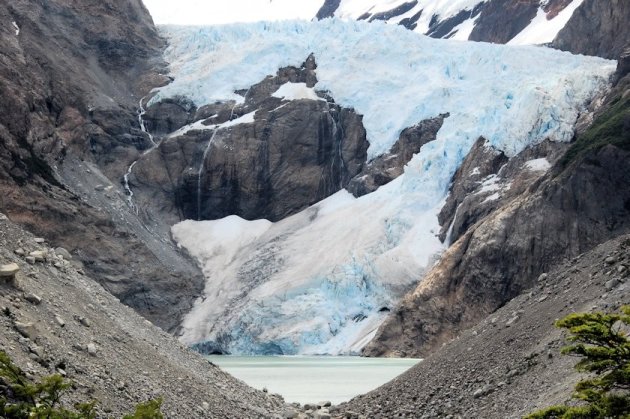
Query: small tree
(147, 410)
(22, 398)
(601, 341)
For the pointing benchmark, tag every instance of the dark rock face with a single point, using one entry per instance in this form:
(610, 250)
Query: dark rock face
(503, 254)
(293, 154)
(482, 161)
(411, 22)
(502, 20)
(328, 9)
(623, 64)
(444, 28)
(169, 115)
(397, 11)
(502, 248)
(70, 83)
(477, 191)
(294, 157)
(388, 167)
(597, 28)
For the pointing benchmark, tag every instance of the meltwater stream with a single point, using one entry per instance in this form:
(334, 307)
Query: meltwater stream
(154, 145)
(312, 379)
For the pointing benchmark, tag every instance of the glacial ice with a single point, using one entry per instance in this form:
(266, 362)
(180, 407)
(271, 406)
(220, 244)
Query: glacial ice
(322, 280)
(394, 77)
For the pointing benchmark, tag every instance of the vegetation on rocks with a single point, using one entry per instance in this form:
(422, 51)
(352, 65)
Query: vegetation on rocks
(21, 397)
(612, 127)
(601, 341)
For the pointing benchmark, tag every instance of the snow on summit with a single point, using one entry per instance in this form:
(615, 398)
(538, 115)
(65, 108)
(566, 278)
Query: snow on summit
(324, 276)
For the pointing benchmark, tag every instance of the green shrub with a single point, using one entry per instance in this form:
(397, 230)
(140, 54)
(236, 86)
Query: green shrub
(611, 127)
(147, 410)
(22, 398)
(604, 348)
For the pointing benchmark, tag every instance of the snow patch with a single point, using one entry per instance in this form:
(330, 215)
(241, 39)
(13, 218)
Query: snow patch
(538, 165)
(541, 30)
(463, 30)
(201, 126)
(195, 126)
(352, 9)
(248, 118)
(296, 91)
(492, 197)
(17, 28)
(221, 237)
(489, 184)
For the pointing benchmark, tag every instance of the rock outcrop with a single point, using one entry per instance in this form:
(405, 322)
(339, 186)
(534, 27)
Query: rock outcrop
(387, 167)
(290, 154)
(328, 9)
(502, 20)
(597, 28)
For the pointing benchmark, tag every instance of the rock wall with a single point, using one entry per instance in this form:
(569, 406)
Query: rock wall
(597, 28)
(291, 154)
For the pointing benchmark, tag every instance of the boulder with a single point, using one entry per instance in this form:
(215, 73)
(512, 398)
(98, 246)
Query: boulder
(33, 299)
(28, 330)
(38, 255)
(91, 349)
(60, 251)
(8, 272)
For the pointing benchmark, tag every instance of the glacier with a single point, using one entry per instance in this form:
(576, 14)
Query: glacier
(323, 280)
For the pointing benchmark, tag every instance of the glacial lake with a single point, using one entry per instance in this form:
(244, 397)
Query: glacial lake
(312, 379)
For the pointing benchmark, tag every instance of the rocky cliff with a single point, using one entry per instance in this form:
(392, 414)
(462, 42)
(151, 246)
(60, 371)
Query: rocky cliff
(269, 157)
(71, 77)
(597, 28)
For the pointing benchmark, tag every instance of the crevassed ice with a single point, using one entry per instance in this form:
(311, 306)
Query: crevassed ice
(316, 282)
(394, 77)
